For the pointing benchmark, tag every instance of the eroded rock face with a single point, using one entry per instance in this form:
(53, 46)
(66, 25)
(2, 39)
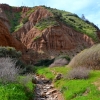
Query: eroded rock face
(6, 39)
(35, 17)
(52, 41)
(4, 18)
(98, 34)
(46, 44)
(56, 40)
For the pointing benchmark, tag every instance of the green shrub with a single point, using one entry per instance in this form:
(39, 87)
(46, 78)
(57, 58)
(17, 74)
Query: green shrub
(37, 37)
(46, 22)
(9, 51)
(18, 27)
(29, 12)
(12, 53)
(74, 21)
(25, 20)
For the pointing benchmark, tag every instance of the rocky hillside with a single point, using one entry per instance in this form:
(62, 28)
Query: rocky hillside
(48, 32)
(6, 39)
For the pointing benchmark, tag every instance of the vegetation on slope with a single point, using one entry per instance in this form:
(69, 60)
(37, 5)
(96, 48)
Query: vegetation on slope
(16, 20)
(69, 19)
(72, 20)
(46, 22)
(89, 58)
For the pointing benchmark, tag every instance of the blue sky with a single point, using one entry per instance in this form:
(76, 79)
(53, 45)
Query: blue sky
(90, 8)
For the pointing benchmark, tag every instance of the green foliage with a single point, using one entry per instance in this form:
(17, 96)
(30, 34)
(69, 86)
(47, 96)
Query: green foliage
(12, 53)
(14, 19)
(25, 20)
(82, 89)
(9, 51)
(72, 20)
(37, 37)
(29, 12)
(46, 22)
(18, 27)
(12, 92)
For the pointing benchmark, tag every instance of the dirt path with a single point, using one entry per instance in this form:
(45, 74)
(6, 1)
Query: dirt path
(45, 90)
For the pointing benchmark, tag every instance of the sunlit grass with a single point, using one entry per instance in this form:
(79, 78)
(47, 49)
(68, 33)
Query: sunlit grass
(81, 89)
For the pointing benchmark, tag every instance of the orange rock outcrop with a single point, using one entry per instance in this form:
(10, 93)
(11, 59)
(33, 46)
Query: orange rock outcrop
(6, 39)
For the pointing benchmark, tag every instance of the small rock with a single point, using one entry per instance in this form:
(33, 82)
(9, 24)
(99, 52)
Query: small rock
(51, 91)
(43, 94)
(58, 77)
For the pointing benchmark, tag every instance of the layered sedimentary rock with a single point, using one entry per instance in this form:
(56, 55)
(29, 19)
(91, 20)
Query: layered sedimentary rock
(42, 44)
(52, 41)
(4, 18)
(56, 38)
(35, 17)
(6, 39)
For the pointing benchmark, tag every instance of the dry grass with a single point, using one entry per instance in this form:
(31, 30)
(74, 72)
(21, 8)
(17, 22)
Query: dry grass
(89, 58)
(78, 73)
(59, 62)
(8, 71)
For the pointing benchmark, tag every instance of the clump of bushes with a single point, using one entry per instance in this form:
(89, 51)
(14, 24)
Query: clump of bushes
(9, 51)
(60, 61)
(25, 20)
(89, 58)
(8, 71)
(12, 53)
(46, 22)
(72, 20)
(78, 73)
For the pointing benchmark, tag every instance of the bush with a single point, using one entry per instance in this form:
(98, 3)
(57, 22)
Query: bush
(46, 22)
(60, 61)
(78, 73)
(8, 71)
(12, 53)
(25, 20)
(45, 62)
(89, 58)
(9, 51)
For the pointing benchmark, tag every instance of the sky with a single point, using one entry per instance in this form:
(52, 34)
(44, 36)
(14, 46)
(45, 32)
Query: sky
(90, 8)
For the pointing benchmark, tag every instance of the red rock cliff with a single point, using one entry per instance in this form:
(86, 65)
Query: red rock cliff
(6, 39)
(52, 41)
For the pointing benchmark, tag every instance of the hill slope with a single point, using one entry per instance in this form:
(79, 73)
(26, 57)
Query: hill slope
(48, 32)
(6, 39)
